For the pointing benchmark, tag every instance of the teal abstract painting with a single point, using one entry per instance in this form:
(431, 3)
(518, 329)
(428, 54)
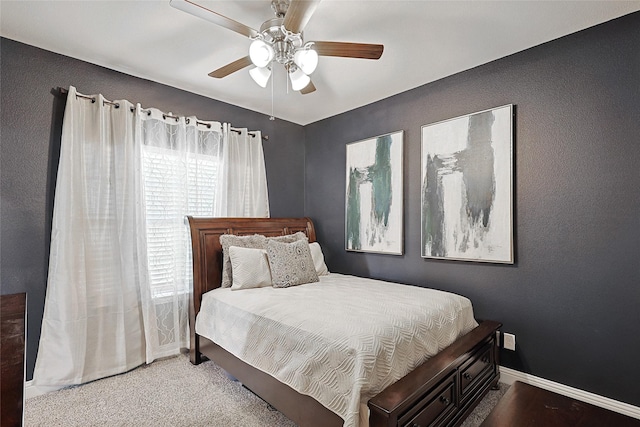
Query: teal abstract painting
(374, 195)
(467, 187)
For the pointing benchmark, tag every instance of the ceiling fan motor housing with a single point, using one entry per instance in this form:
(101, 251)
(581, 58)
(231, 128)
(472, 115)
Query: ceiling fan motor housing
(284, 45)
(271, 29)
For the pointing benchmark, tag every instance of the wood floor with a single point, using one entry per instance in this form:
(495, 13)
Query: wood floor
(524, 405)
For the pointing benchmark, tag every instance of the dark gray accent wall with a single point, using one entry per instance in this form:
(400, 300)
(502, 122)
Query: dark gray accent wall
(31, 127)
(573, 296)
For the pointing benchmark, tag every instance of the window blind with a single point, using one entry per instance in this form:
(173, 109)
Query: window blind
(174, 181)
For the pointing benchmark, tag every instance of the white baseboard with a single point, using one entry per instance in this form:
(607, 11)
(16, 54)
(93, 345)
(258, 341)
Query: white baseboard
(509, 376)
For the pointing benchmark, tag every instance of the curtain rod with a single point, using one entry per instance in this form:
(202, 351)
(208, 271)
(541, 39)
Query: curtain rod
(65, 91)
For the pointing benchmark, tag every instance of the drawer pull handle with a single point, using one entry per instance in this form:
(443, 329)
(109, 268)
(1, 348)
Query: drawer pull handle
(445, 400)
(485, 359)
(467, 376)
(415, 425)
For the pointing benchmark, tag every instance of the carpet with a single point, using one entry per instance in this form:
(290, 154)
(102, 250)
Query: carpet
(172, 392)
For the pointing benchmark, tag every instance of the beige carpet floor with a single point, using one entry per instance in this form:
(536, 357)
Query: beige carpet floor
(171, 392)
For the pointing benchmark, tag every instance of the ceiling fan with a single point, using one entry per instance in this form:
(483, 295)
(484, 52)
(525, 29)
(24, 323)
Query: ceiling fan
(280, 40)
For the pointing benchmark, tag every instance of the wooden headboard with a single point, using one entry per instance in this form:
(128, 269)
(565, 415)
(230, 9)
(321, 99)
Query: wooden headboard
(207, 253)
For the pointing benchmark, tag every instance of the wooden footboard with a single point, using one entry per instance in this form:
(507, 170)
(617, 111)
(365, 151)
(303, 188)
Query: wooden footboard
(446, 388)
(440, 392)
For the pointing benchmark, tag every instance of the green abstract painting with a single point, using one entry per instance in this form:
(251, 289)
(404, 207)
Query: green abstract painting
(467, 187)
(374, 195)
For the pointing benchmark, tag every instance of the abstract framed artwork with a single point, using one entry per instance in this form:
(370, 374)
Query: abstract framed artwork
(374, 195)
(467, 187)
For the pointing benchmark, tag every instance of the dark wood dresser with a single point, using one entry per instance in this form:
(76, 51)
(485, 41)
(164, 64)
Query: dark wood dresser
(12, 317)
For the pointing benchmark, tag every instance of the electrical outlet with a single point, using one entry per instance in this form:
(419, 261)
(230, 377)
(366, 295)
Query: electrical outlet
(509, 341)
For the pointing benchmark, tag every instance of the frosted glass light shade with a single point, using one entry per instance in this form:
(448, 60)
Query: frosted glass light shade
(306, 60)
(260, 53)
(299, 80)
(260, 75)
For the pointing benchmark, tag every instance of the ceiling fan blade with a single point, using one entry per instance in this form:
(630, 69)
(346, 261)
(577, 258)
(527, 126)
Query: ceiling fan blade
(231, 68)
(349, 50)
(202, 12)
(308, 89)
(298, 14)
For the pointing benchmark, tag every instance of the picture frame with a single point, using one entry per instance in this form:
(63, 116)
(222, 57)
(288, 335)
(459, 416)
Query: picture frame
(374, 194)
(467, 187)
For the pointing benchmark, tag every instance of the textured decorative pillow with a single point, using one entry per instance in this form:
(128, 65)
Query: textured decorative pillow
(256, 241)
(318, 259)
(289, 238)
(291, 263)
(249, 268)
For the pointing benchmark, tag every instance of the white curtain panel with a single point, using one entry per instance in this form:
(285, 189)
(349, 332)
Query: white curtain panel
(244, 193)
(92, 325)
(120, 262)
(182, 172)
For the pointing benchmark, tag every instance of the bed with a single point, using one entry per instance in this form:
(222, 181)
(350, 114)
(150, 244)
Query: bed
(440, 391)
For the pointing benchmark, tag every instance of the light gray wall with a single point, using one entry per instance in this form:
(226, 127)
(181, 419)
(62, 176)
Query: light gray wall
(572, 298)
(31, 126)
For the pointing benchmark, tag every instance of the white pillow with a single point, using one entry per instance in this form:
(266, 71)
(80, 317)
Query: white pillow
(228, 240)
(249, 268)
(318, 259)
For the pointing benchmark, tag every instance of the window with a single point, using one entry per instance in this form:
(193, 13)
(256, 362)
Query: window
(176, 183)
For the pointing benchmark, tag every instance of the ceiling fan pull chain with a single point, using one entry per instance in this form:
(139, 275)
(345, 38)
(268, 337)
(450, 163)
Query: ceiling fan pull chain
(286, 75)
(272, 117)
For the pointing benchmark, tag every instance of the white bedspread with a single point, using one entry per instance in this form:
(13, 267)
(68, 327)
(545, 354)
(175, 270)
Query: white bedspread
(341, 340)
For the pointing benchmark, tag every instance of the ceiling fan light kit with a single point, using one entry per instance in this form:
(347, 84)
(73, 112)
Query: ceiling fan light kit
(260, 75)
(299, 80)
(261, 53)
(306, 59)
(280, 40)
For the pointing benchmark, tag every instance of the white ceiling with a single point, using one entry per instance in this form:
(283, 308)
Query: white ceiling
(424, 41)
